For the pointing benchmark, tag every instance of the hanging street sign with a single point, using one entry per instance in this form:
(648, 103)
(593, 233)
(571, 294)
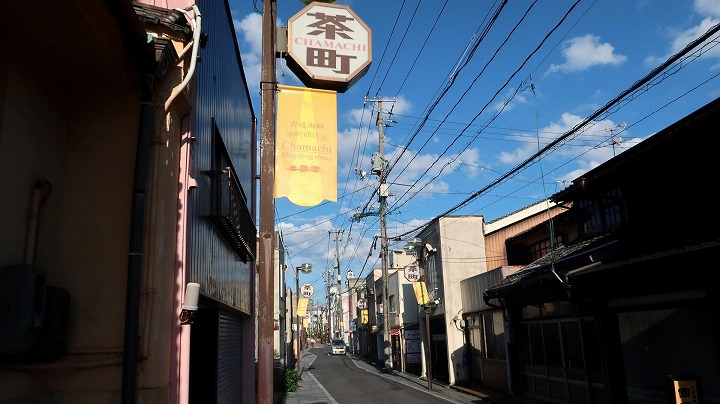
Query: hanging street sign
(412, 273)
(329, 47)
(307, 290)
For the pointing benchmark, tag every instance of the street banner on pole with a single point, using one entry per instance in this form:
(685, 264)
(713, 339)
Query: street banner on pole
(421, 292)
(302, 307)
(306, 145)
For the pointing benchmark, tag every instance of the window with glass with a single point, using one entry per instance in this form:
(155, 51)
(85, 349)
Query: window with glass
(494, 334)
(546, 246)
(561, 360)
(433, 277)
(601, 214)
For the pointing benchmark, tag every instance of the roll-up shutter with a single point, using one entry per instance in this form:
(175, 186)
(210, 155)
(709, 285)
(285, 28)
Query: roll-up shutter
(230, 338)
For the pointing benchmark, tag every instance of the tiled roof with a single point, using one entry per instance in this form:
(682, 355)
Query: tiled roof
(551, 262)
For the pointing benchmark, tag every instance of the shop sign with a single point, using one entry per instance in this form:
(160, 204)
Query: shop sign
(413, 358)
(307, 290)
(412, 273)
(329, 47)
(412, 334)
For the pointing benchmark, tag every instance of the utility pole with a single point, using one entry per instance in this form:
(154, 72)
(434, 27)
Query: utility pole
(378, 167)
(266, 245)
(382, 196)
(327, 278)
(338, 307)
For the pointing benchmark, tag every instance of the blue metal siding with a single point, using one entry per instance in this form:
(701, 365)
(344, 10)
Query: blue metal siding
(221, 94)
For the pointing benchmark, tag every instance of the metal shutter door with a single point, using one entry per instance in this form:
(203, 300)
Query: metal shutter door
(230, 380)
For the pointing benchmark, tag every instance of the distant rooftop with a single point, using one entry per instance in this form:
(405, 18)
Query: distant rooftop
(518, 215)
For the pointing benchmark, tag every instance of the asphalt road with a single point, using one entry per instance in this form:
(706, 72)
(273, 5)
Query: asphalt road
(347, 383)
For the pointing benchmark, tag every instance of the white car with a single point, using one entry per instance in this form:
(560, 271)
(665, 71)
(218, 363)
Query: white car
(337, 347)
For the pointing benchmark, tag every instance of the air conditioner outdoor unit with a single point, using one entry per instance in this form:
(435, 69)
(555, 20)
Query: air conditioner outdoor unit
(22, 305)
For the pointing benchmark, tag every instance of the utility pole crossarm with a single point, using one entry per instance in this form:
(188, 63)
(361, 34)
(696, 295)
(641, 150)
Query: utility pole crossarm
(357, 216)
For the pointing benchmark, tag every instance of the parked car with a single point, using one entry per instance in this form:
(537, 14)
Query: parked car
(337, 347)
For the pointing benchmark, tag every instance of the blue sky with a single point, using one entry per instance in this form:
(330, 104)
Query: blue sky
(472, 96)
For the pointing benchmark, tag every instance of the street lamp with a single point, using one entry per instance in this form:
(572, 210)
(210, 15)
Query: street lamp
(306, 269)
(417, 247)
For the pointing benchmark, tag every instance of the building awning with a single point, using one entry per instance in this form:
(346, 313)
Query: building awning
(544, 280)
(681, 268)
(597, 268)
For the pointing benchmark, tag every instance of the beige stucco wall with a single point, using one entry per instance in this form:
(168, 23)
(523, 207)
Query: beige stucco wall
(462, 254)
(77, 129)
(85, 151)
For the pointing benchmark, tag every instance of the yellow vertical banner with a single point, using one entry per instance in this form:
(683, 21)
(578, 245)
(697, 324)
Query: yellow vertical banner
(306, 145)
(421, 292)
(301, 307)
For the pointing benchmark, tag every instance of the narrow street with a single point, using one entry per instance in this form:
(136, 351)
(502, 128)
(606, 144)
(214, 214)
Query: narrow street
(347, 379)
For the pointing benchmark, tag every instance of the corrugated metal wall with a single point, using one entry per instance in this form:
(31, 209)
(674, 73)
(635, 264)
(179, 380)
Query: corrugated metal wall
(471, 289)
(221, 93)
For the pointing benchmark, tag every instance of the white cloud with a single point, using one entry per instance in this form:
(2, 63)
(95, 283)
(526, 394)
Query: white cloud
(250, 29)
(567, 122)
(399, 106)
(469, 161)
(249, 34)
(357, 115)
(587, 150)
(710, 11)
(685, 37)
(592, 144)
(584, 52)
(414, 165)
(351, 139)
(708, 7)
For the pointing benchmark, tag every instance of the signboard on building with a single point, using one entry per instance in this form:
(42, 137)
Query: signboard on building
(412, 346)
(329, 47)
(364, 316)
(413, 358)
(412, 334)
(421, 292)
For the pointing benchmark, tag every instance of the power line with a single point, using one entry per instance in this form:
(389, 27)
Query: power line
(630, 92)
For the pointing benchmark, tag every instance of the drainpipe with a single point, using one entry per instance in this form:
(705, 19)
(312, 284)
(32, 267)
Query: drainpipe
(193, 59)
(135, 253)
